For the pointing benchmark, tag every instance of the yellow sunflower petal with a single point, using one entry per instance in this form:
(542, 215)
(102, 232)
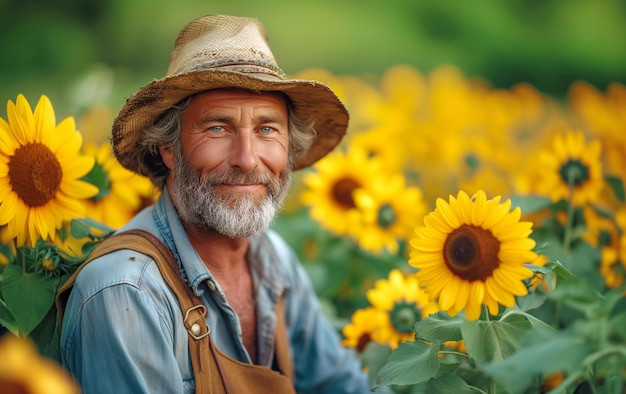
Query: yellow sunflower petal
(44, 119)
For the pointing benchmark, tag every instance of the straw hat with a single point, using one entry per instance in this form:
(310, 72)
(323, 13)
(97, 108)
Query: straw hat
(219, 51)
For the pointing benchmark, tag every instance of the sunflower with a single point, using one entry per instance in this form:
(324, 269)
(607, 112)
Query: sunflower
(383, 143)
(23, 370)
(612, 268)
(124, 193)
(359, 332)
(404, 304)
(572, 169)
(329, 188)
(40, 171)
(390, 210)
(472, 251)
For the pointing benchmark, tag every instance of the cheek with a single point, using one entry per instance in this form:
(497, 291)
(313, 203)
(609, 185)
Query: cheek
(277, 156)
(204, 153)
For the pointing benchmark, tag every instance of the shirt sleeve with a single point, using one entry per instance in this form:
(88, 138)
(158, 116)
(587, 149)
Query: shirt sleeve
(115, 338)
(322, 365)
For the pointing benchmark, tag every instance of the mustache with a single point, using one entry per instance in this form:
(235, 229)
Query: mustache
(236, 177)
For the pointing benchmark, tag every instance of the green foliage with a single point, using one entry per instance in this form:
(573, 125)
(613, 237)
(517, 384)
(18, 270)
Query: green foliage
(617, 185)
(489, 341)
(543, 352)
(570, 324)
(515, 350)
(339, 269)
(410, 363)
(531, 204)
(99, 178)
(28, 296)
(29, 283)
(440, 327)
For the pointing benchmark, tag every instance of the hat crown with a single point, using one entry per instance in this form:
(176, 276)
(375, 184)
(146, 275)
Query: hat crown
(223, 42)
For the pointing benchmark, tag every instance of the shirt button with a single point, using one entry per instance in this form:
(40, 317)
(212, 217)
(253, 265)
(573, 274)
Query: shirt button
(211, 285)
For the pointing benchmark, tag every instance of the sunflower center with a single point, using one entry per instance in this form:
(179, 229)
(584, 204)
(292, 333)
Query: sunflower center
(342, 192)
(404, 315)
(35, 174)
(471, 252)
(574, 172)
(363, 341)
(386, 216)
(14, 387)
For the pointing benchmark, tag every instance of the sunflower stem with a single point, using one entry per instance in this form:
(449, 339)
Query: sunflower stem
(567, 236)
(484, 313)
(492, 387)
(453, 353)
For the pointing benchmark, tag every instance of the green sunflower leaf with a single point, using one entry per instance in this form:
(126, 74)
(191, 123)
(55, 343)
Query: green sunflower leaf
(85, 227)
(28, 296)
(488, 341)
(46, 336)
(578, 294)
(99, 178)
(6, 319)
(443, 384)
(544, 351)
(410, 363)
(618, 187)
(374, 356)
(530, 204)
(560, 270)
(439, 327)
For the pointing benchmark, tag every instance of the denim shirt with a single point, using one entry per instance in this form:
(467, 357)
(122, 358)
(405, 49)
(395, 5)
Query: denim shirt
(123, 328)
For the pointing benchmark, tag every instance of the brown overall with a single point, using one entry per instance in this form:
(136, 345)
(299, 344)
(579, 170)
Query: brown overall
(214, 372)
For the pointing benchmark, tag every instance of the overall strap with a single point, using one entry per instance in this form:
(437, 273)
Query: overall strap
(194, 312)
(283, 359)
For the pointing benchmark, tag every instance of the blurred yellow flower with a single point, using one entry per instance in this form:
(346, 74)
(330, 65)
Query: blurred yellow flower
(40, 171)
(23, 370)
(603, 115)
(472, 251)
(71, 247)
(359, 332)
(610, 268)
(390, 210)
(384, 145)
(572, 169)
(126, 191)
(330, 186)
(404, 302)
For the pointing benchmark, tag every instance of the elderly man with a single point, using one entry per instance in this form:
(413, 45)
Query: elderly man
(220, 135)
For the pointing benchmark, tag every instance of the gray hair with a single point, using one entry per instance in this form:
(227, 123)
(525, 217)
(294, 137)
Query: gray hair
(166, 130)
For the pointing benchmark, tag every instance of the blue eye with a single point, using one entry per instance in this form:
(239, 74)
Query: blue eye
(266, 129)
(216, 129)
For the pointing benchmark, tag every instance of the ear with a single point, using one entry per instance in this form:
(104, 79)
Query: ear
(167, 156)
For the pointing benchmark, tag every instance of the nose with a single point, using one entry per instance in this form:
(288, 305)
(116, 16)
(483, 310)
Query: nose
(244, 153)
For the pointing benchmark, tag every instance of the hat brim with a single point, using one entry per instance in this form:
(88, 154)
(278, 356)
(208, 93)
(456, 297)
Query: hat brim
(310, 99)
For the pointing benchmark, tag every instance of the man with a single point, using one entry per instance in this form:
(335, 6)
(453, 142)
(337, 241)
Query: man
(220, 135)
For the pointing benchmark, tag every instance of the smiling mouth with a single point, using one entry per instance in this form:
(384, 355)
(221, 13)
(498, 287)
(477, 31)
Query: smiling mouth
(242, 187)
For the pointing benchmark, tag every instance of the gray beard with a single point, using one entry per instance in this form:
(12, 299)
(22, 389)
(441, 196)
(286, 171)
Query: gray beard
(236, 215)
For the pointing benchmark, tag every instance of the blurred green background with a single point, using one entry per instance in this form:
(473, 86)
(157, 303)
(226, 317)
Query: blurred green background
(82, 53)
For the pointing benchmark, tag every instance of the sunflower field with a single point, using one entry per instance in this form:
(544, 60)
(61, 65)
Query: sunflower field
(487, 254)
(463, 238)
